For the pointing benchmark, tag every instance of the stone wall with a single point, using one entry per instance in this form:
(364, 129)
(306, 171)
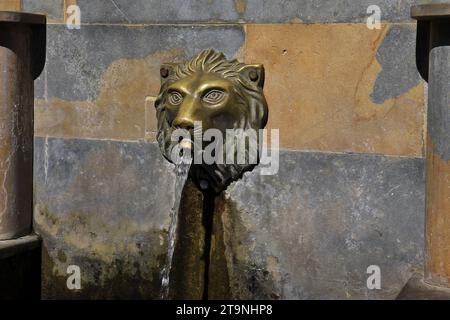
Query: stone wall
(350, 107)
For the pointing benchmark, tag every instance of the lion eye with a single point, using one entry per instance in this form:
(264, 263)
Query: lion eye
(214, 96)
(175, 98)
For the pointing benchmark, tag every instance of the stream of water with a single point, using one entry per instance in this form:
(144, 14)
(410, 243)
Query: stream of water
(181, 173)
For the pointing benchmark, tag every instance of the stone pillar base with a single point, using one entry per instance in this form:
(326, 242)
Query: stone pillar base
(20, 268)
(417, 289)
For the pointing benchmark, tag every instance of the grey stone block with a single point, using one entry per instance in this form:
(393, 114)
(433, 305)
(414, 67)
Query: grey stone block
(312, 231)
(254, 11)
(152, 11)
(103, 206)
(54, 9)
(77, 59)
(397, 57)
(309, 232)
(323, 11)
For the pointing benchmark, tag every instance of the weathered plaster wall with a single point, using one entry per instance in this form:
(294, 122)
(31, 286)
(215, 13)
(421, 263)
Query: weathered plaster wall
(347, 100)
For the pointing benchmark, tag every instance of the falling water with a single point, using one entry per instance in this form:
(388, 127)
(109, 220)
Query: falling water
(181, 173)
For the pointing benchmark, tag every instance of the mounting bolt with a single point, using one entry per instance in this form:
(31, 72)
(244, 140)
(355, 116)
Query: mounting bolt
(164, 72)
(253, 75)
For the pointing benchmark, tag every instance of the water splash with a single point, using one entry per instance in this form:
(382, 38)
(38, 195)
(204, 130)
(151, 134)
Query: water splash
(181, 174)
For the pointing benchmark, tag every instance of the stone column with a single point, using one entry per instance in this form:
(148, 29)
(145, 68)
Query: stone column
(433, 62)
(22, 58)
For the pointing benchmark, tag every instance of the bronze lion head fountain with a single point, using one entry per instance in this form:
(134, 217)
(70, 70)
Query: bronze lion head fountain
(219, 94)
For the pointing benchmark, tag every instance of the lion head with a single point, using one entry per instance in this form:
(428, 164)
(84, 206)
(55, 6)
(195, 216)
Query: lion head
(221, 94)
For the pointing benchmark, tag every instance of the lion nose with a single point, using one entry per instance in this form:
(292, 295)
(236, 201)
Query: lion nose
(184, 123)
(185, 117)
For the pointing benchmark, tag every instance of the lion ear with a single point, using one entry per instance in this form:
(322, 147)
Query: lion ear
(166, 70)
(255, 73)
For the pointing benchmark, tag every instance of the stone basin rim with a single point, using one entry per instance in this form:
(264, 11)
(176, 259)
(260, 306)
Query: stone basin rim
(432, 11)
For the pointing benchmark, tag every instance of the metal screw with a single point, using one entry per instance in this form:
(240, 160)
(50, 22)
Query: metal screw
(253, 75)
(164, 72)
